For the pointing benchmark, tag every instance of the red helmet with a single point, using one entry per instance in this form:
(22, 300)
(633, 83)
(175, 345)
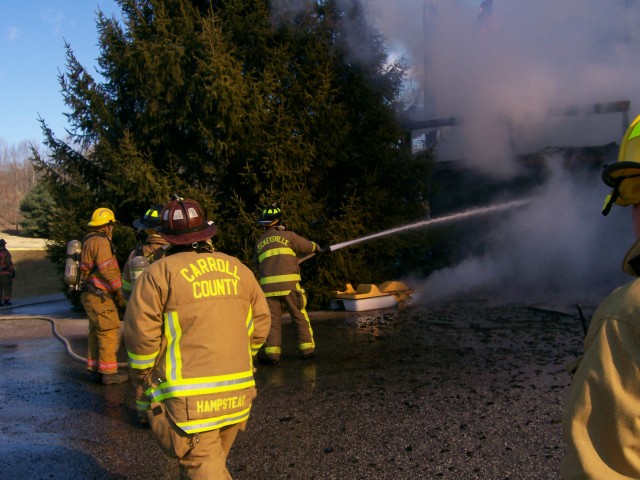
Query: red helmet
(183, 222)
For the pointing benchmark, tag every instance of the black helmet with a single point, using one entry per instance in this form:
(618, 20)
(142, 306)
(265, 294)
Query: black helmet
(270, 216)
(150, 220)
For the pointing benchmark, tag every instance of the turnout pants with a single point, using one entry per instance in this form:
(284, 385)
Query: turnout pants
(6, 287)
(104, 332)
(296, 303)
(202, 456)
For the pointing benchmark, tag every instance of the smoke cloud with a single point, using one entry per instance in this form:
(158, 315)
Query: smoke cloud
(505, 76)
(558, 248)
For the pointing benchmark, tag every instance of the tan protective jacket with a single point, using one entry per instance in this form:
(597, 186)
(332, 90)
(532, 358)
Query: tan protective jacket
(276, 256)
(601, 419)
(196, 319)
(98, 263)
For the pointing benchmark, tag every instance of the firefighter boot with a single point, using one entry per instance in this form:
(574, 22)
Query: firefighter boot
(114, 378)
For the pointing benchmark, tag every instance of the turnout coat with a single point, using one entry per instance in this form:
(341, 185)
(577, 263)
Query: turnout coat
(601, 420)
(192, 326)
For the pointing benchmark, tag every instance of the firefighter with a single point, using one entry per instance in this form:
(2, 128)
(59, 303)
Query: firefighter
(7, 274)
(600, 420)
(193, 322)
(276, 257)
(151, 249)
(101, 297)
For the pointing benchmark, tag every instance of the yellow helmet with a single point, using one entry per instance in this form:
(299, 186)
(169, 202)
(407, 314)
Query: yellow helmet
(101, 217)
(624, 175)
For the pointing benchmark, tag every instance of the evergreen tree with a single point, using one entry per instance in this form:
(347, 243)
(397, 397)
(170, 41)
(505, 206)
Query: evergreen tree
(36, 208)
(233, 106)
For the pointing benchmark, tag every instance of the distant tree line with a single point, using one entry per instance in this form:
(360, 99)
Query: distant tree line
(18, 184)
(236, 107)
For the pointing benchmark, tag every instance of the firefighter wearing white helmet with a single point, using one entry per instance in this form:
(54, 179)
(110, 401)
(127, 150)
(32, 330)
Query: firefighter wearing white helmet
(194, 319)
(101, 296)
(276, 257)
(600, 423)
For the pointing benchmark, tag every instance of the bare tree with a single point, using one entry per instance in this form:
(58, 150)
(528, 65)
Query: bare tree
(17, 176)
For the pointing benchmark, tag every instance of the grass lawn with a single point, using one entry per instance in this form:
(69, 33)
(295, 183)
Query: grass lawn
(35, 274)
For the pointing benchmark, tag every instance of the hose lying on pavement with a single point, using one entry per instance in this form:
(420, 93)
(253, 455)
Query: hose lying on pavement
(57, 334)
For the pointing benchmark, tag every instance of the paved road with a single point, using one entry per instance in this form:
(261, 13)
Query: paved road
(457, 391)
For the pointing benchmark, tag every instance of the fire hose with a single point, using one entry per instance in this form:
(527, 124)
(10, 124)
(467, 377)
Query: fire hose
(57, 334)
(424, 223)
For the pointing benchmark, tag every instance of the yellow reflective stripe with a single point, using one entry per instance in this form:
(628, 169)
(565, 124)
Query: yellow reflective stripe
(126, 285)
(273, 350)
(281, 293)
(292, 277)
(272, 252)
(212, 423)
(250, 327)
(173, 358)
(201, 386)
(143, 406)
(249, 321)
(141, 362)
(307, 346)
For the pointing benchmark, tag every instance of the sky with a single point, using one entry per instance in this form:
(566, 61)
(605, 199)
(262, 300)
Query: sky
(32, 53)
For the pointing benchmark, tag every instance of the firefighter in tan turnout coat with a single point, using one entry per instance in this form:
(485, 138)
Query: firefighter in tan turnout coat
(101, 297)
(601, 417)
(194, 321)
(276, 255)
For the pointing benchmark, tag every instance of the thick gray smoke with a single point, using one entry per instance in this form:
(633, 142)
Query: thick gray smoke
(508, 77)
(558, 248)
(504, 77)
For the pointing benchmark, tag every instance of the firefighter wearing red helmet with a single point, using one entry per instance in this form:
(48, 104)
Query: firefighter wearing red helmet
(601, 422)
(101, 296)
(194, 321)
(276, 256)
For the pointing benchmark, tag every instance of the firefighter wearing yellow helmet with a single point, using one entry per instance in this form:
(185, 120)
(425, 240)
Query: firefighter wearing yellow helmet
(101, 296)
(601, 420)
(194, 319)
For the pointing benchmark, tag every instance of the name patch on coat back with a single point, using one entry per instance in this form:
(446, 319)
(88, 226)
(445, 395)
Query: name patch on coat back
(272, 239)
(205, 406)
(213, 287)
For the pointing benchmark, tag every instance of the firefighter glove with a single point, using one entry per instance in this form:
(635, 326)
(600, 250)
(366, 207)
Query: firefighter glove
(120, 301)
(324, 248)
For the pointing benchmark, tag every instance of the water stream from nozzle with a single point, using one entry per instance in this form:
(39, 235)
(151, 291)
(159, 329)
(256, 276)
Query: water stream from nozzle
(434, 221)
